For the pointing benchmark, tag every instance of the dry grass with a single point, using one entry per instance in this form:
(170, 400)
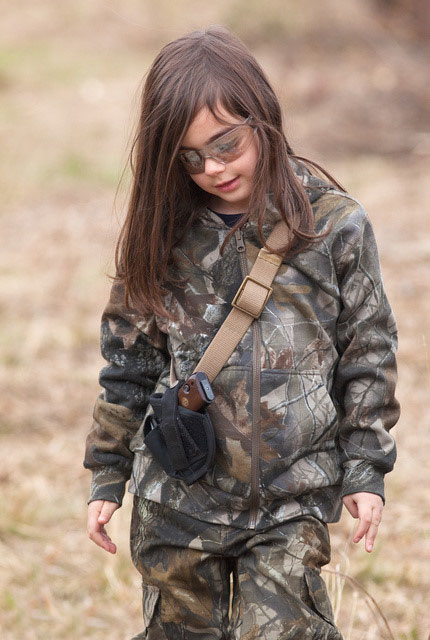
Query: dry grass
(68, 76)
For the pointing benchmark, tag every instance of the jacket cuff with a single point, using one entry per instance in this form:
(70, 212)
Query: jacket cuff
(362, 476)
(107, 484)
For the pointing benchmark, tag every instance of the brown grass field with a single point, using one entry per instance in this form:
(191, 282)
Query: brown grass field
(352, 79)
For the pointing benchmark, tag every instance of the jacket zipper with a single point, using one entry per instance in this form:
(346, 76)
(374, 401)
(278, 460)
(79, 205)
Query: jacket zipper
(256, 419)
(256, 370)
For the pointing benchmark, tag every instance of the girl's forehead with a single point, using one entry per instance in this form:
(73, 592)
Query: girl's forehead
(206, 126)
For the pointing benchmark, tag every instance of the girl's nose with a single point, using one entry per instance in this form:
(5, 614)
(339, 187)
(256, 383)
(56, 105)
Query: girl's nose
(213, 167)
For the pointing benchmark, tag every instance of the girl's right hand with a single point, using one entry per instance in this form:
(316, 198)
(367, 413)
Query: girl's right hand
(99, 514)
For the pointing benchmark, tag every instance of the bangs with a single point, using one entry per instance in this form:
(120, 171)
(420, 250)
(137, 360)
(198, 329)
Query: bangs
(216, 97)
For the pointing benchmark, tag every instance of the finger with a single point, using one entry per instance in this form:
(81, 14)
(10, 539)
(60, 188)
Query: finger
(373, 530)
(102, 540)
(365, 520)
(106, 512)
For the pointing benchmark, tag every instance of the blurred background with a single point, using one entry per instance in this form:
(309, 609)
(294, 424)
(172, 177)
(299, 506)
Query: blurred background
(352, 78)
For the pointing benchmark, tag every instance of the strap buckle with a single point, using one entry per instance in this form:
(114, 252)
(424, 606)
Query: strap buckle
(251, 302)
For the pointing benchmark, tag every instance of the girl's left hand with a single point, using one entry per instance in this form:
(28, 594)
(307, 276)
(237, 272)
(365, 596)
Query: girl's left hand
(368, 508)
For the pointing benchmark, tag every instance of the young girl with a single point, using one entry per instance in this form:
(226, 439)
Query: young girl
(303, 405)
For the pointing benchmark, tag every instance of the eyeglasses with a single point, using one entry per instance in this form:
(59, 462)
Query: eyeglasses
(225, 149)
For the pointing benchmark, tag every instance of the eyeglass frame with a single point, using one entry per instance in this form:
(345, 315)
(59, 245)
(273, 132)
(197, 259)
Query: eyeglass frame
(204, 156)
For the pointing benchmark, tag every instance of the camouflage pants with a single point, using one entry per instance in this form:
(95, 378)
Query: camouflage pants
(189, 566)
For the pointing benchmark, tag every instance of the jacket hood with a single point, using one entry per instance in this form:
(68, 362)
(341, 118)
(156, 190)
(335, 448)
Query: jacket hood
(314, 186)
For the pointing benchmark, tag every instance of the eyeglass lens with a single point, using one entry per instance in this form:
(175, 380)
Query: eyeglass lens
(225, 149)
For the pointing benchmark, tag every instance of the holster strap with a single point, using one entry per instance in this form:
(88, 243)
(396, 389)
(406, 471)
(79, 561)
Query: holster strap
(171, 433)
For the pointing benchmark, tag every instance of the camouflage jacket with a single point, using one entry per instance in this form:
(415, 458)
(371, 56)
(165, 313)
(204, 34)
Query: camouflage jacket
(304, 404)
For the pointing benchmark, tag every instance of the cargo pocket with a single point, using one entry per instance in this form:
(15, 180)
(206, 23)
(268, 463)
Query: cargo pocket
(318, 595)
(150, 596)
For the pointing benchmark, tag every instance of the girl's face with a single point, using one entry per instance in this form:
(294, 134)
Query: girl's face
(230, 185)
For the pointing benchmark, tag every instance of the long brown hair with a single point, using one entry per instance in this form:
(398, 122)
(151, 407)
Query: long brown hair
(202, 69)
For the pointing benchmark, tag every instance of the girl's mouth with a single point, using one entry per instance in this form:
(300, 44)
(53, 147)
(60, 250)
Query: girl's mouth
(228, 186)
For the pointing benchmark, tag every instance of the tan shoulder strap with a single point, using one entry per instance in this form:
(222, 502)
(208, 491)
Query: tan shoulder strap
(248, 305)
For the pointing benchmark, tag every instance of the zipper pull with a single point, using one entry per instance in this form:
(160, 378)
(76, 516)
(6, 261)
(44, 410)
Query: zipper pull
(240, 245)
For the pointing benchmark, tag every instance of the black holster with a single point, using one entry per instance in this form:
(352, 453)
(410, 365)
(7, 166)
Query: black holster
(182, 441)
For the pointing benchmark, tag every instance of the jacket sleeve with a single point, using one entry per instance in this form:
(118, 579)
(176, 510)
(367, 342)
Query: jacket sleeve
(136, 355)
(366, 373)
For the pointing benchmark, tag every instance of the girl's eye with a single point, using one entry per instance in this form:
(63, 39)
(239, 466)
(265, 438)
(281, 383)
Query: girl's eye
(225, 146)
(191, 157)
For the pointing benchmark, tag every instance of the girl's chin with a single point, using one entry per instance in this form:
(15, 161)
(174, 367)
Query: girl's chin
(227, 205)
